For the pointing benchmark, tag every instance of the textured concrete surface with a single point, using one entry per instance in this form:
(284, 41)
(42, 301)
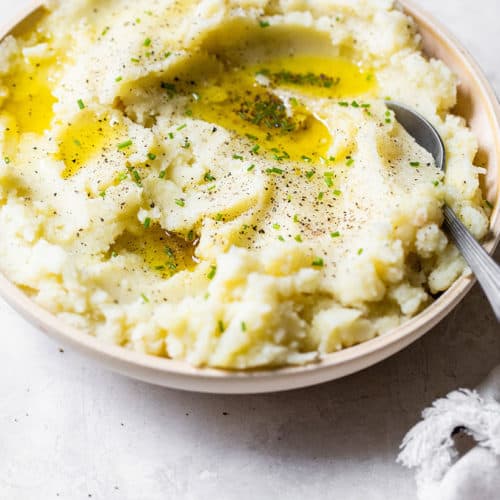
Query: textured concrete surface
(72, 431)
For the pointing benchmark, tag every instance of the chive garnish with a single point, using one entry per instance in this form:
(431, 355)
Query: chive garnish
(147, 223)
(274, 170)
(125, 144)
(212, 273)
(180, 202)
(81, 104)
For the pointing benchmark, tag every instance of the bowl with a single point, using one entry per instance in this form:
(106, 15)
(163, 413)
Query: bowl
(477, 103)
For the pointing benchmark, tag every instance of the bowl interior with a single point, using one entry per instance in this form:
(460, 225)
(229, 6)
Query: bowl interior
(476, 102)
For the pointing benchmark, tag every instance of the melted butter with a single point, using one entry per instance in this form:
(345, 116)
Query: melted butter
(318, 76)
(85, 137)
(161, 252)
(29, 99)
(237, 101)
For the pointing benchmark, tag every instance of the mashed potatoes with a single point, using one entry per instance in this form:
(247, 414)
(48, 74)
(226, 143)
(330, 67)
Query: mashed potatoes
(221, 182)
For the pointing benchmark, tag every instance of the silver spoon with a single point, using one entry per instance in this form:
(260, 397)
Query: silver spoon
(487, 271)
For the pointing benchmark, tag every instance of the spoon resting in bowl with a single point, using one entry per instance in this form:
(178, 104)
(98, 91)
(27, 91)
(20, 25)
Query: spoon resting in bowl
(487, 271)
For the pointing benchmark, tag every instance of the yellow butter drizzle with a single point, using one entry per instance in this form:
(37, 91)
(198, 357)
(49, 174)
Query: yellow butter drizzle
(245, 100)
(87, 136)
(29, 99)
(161, 252)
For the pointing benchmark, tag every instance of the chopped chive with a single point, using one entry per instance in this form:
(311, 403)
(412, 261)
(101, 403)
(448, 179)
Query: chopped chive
(182, 127)
(81, 104)
(388, 120)
(415, 164)
(366, 105)
(337, 192)
(162, 174)
(310, 174)
(255, 149)
(169, 252)
(332, 158)
(344, 104)
(238, 157)
(180, 202)
(488, 204)
(336, 234)
(252, 137)
(209, 177)
(105, 31)
(144, 298)
(152, 156)
(134, 60)
(319, 262)
(219, 217)
(436, 183)
(281, 238)
(102, 194)
(191, 235)
(126, 144)
(243, 326)
(114, 255)
(354, 104)
(121, 177)
(349, 162)
(221, 327)
(264, 24)
(171, 135)
(76, 142)
(186, 144)
(277, 227)
(212, 273)
(118, 79)
(6, 159)
(274, 170)
(147, 42)
(167, 55)
(147, 222)
(298, 238)
(250, 168)
(360, 251)
(306, 158)
(296, 219)
(321, 196)
(328, 179)
(137, 177)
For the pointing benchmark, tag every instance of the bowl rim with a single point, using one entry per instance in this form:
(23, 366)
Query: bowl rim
(181, 375)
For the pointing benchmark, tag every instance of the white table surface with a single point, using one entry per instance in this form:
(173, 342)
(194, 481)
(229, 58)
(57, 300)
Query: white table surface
(71, 430)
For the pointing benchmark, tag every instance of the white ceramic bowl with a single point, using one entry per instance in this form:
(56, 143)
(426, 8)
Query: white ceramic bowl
(477, 103)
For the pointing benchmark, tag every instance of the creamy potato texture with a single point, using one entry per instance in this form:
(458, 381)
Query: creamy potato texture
(221, 182)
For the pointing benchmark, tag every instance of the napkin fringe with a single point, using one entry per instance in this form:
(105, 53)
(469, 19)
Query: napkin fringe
(429, 446)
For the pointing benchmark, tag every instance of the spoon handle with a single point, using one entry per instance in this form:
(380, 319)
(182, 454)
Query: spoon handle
(487, 271)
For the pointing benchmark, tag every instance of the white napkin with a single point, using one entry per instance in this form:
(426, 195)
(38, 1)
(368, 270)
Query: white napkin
(430, 449)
